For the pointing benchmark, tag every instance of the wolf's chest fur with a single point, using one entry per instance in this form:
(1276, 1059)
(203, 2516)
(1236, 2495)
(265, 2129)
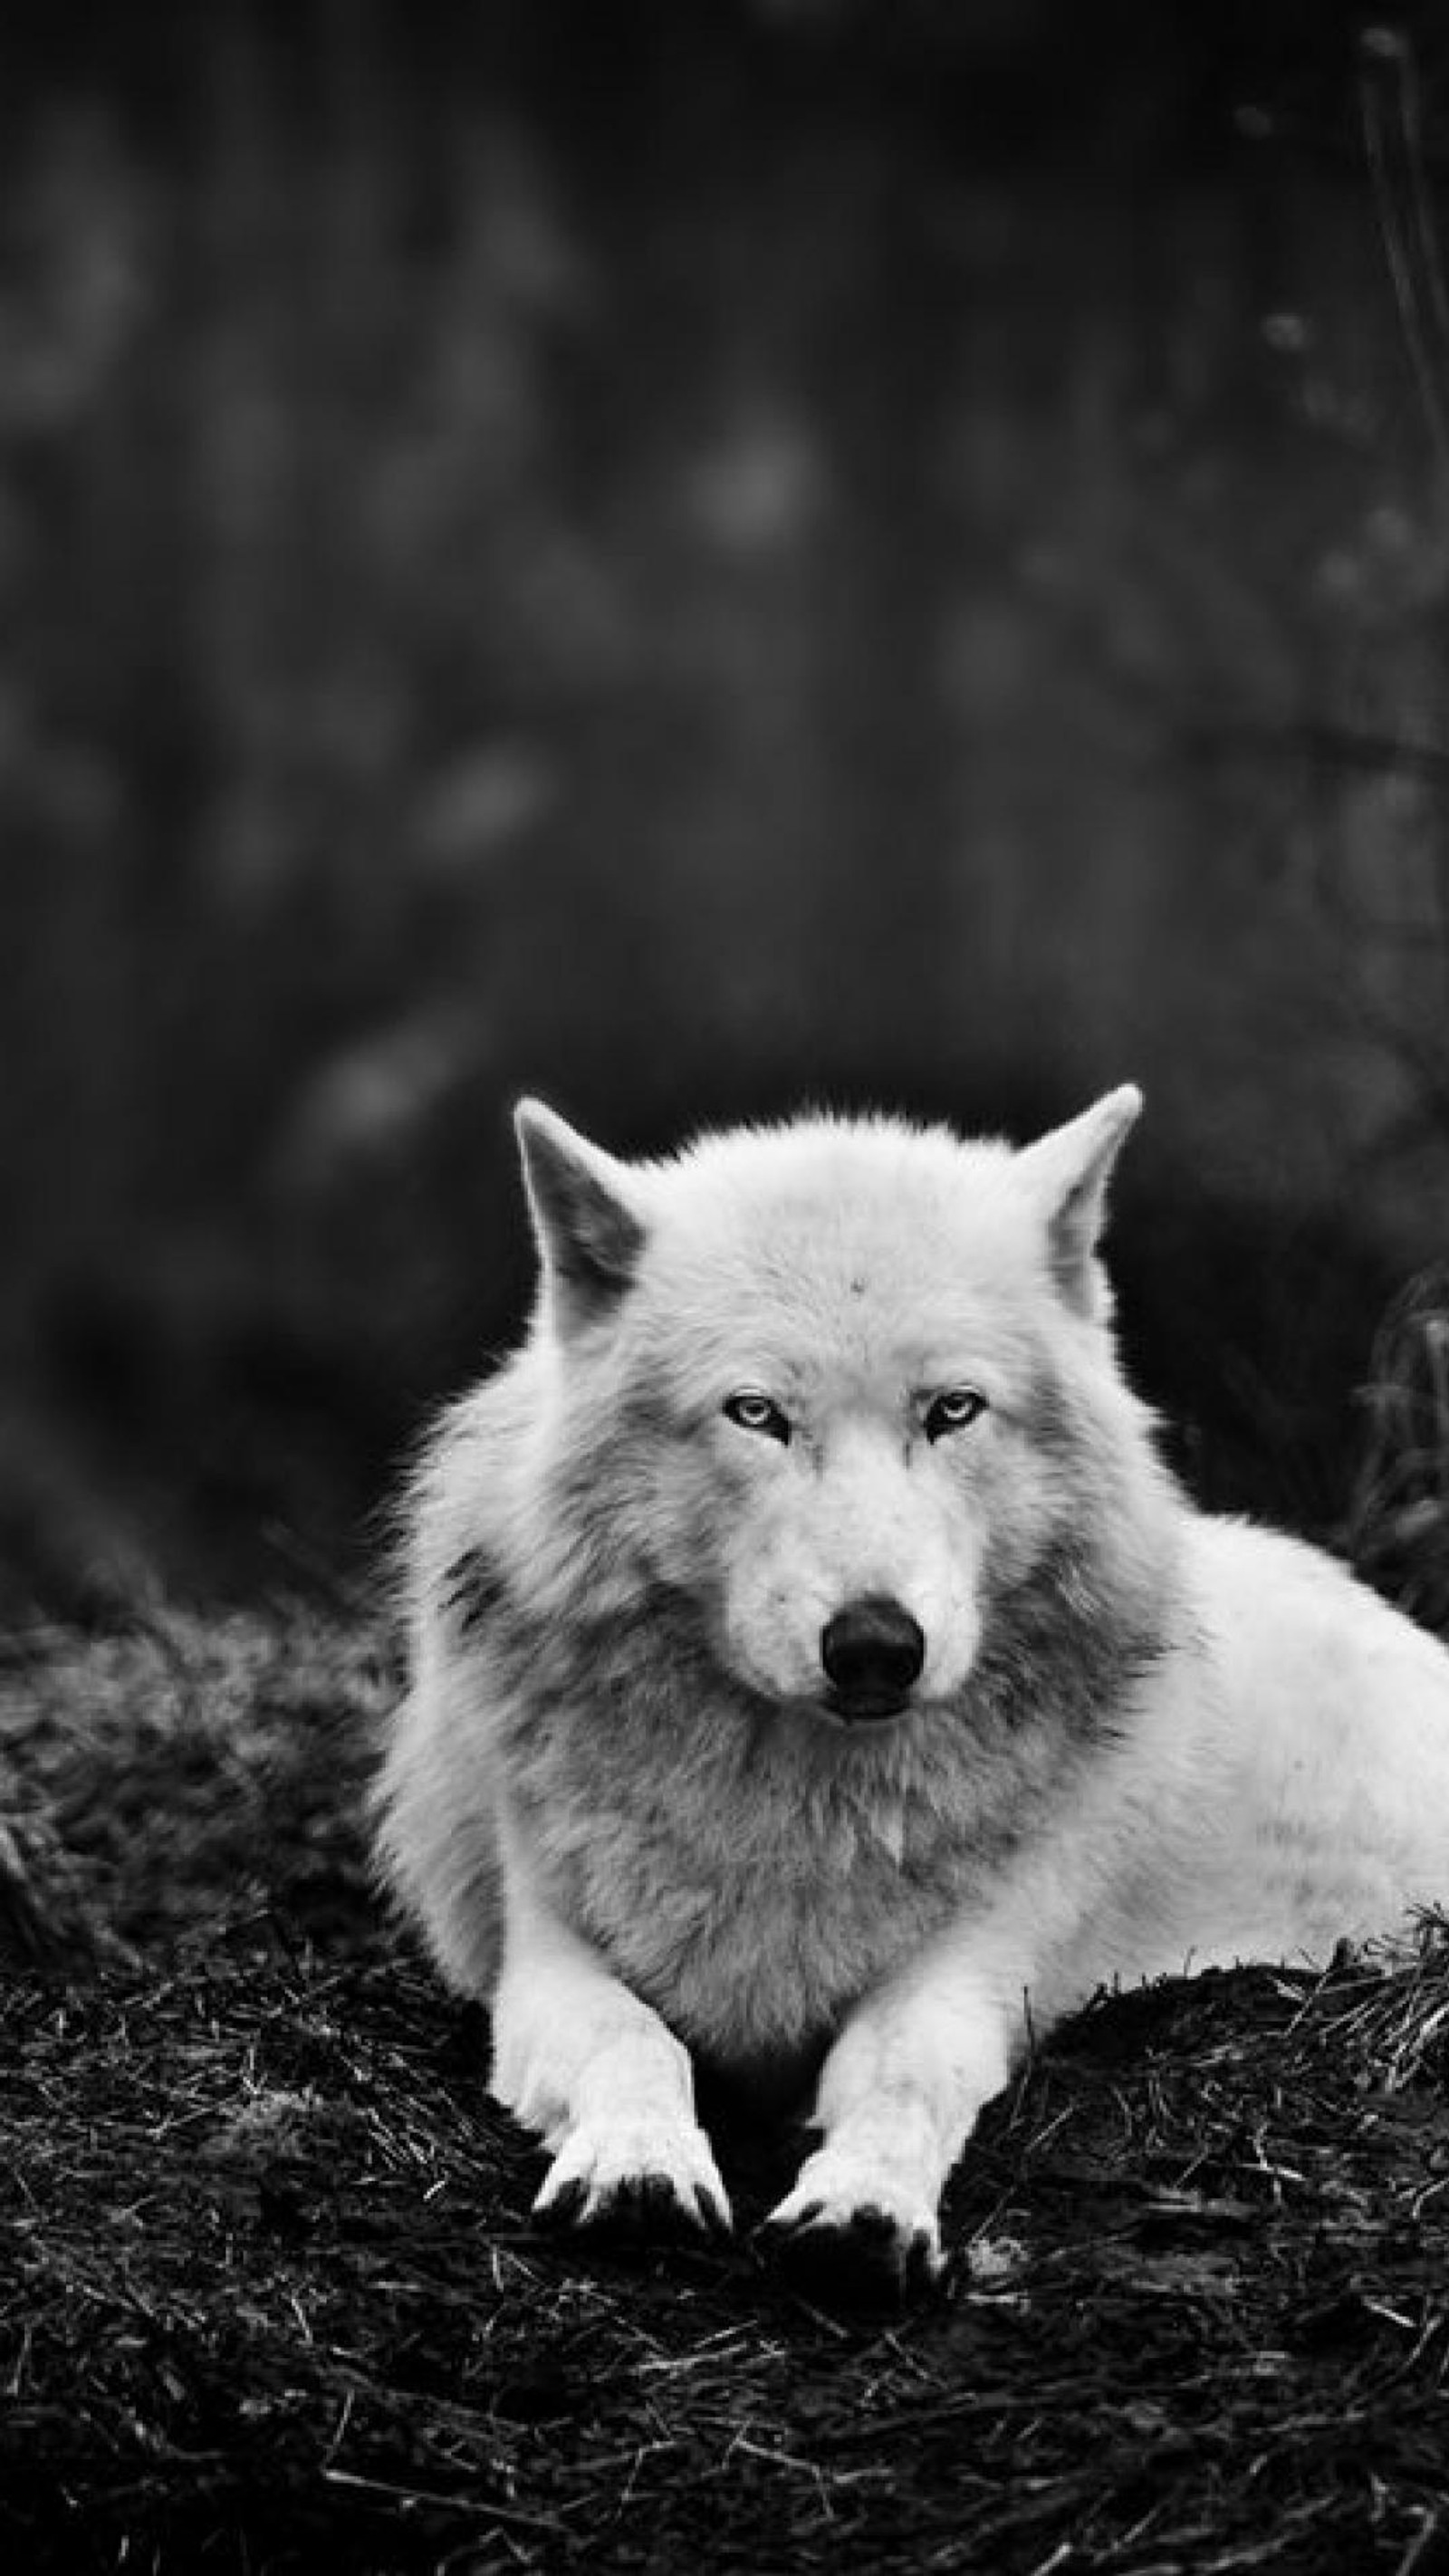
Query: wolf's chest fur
(751, 1913)
(752, 1875)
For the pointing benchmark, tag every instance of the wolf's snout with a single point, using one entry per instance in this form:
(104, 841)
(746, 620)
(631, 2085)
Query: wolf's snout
(872, 1651)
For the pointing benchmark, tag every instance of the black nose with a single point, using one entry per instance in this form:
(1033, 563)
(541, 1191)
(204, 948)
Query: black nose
(872, 1651)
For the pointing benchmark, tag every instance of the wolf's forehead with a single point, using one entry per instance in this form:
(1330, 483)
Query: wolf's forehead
(831, 1197)
(850, 1240)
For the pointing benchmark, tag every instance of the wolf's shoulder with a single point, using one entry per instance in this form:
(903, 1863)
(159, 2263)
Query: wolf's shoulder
(1234, 1556)
(1295, 1617)
(473, 1462)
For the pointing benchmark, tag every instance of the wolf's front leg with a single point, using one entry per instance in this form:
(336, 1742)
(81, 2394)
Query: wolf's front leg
(899, 2095)
(594, 2070)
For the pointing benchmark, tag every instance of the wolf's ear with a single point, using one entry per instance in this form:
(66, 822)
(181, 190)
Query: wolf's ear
(590, 1234)
(1068, 1172)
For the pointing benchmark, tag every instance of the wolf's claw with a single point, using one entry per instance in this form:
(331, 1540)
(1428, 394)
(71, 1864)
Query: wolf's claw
(598, 2186)
(639, 2209)
(562, 2208)
(864, 2259)
(713, 2214)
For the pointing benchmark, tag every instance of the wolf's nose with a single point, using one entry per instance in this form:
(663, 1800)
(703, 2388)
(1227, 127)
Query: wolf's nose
(872, 1650)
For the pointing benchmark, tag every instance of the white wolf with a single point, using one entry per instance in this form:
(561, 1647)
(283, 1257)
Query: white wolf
(816, 1669)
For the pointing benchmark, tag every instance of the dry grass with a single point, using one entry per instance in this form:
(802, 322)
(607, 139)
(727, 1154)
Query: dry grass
(190, 1773)
(269, 2293)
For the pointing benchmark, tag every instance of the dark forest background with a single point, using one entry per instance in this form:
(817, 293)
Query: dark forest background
(695, 557)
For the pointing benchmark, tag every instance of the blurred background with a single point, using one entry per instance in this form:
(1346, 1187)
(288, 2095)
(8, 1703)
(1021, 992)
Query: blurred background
(696, 555)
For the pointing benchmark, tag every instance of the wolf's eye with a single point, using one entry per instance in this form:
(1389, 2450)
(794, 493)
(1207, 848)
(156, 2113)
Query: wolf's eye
(757, 1413)
(954, 1410)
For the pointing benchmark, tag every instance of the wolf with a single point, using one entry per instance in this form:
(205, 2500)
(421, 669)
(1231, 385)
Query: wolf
(816, 1673)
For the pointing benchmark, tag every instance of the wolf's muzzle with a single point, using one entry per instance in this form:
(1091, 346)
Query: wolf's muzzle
(873, 1652)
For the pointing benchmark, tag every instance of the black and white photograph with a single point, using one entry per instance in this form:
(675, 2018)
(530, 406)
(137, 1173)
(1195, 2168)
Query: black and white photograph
(724, 1288)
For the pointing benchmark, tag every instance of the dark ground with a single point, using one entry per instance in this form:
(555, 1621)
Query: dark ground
(270, 2295)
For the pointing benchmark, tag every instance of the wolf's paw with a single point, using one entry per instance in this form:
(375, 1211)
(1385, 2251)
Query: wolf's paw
(635, 2185)
(867, 2248)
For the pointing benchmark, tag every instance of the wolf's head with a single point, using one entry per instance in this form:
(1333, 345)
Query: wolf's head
(847, 1387)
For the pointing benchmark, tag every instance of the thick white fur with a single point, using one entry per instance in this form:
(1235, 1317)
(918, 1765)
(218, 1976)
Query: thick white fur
(1143, 1740)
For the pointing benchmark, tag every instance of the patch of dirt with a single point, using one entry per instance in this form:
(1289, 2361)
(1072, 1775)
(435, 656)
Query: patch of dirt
(269, 2294)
